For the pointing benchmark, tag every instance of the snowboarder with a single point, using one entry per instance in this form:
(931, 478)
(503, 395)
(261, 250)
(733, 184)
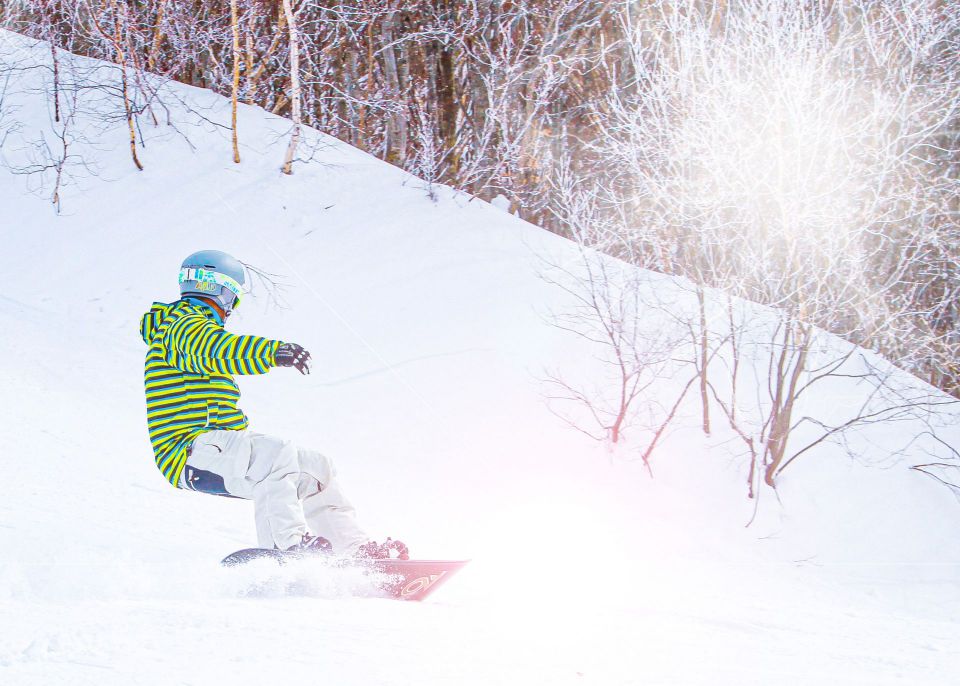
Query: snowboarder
(200, 437)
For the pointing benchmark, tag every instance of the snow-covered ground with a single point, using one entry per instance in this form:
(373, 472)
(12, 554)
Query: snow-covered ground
(426, 323)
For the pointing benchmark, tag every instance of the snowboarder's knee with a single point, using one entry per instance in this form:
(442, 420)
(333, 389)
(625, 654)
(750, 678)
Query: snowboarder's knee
(316, 465)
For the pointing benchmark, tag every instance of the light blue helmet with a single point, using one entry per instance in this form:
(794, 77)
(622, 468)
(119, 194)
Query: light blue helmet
(215, 275)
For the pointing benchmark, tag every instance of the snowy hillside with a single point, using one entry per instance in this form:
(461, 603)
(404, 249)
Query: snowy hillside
(426, 324)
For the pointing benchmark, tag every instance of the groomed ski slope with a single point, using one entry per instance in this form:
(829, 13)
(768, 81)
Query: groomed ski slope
(426, 321)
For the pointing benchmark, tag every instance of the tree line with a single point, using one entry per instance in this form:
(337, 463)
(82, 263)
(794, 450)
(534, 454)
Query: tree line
(799, 155)
(470, 94)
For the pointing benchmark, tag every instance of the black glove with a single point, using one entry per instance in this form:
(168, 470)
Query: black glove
(292, 355)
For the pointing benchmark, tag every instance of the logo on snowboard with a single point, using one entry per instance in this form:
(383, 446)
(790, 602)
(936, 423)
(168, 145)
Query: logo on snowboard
(421, 583)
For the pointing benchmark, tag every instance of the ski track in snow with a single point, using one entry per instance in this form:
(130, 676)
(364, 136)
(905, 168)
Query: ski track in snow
(584, 570)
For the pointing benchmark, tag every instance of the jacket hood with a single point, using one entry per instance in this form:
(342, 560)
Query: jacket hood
(152, 319)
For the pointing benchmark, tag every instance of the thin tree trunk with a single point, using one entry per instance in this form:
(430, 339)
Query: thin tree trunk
(157, 37)
(446, 78)
(122, 61)
(236, 79)
(352, 112)
(735, 367)
(56, 77)
(396, 123)
(704, 358)
(780, 430)
(294, 87)
(405, 98)
(370, 84)
(62, 161)
(751, 477)
(248, 65)
(778, 375)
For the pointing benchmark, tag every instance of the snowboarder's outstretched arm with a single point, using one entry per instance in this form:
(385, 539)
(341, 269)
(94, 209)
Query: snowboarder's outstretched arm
(199, 346)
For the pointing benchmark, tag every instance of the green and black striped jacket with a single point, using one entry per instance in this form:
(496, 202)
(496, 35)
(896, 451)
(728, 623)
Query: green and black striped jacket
(188, 377)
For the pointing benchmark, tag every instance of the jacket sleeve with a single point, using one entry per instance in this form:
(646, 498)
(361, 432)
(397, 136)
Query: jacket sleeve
(197, 345)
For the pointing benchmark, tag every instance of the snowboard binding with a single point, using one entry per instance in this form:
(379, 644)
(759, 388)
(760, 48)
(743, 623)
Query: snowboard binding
(371, 550)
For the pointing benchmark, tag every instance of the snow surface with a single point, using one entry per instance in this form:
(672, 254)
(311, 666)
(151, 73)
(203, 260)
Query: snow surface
(426, 323)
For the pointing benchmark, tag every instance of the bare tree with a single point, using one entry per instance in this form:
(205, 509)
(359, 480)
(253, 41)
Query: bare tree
(484, 92)
(641, 350)
(786, 155)
(115, 36)
(53, 158)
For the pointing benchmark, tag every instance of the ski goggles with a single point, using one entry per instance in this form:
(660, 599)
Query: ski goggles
(209, 281)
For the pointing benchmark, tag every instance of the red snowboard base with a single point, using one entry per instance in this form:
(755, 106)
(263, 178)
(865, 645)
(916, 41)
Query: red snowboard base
(402, 579)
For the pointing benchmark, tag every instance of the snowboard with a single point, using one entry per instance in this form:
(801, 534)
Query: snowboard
(398, 579)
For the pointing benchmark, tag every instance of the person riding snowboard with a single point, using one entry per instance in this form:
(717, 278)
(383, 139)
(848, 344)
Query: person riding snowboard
(200, 437)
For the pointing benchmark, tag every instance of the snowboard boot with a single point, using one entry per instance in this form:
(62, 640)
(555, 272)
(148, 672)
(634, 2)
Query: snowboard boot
(371, 550)
(311, 545)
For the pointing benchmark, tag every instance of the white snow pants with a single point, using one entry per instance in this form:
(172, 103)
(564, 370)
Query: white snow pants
(294, 491)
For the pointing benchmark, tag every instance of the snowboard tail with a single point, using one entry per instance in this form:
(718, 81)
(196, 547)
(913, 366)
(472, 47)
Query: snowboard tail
(399, 579)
